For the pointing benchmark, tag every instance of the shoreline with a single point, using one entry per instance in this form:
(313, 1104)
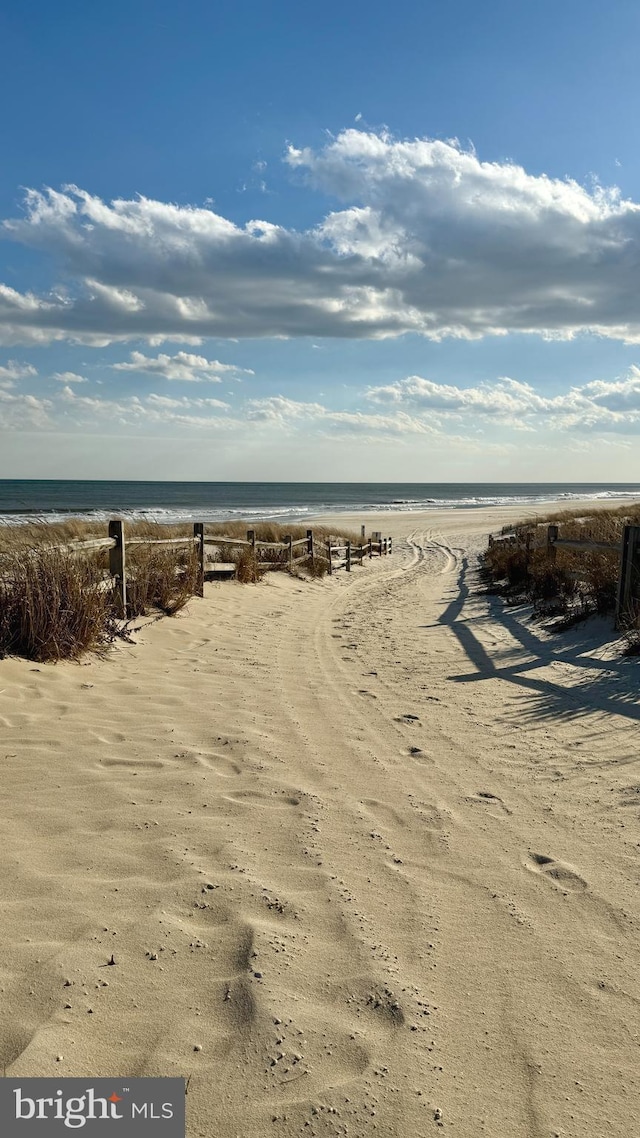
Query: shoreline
(168, 512)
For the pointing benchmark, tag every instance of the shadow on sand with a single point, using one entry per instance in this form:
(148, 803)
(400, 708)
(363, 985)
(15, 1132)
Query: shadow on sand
(612, 689)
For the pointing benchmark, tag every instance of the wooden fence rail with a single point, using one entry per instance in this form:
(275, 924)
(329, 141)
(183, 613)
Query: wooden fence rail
(628, 550)
(307, 549)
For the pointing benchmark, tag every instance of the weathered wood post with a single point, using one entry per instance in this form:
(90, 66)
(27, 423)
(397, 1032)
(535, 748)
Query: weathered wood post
(552, 537)
(490, 540)
(629, 579)
(363, 531)
(311, 553)
(288, 540)
(376, 535)
(117, 566)
(329, 555)
(390, 546)
(251, 538)
(198, 533)
(361, 552)
(370, 549)
(348, 556)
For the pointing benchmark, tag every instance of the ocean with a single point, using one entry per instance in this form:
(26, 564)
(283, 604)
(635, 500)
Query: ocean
(31, 500)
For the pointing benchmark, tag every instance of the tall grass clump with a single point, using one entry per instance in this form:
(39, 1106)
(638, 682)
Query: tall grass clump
(160, 578)
(247, 569)
(53, 605)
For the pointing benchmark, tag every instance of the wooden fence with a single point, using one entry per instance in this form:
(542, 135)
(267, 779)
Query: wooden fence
(628, 551)
(306, 549)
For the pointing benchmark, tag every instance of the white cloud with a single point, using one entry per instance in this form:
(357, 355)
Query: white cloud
(279, 409)
(24, 412)
(183, 366)
(152, 410)
(599, 405)
(497, 417)
(430, 240)
(69, 377)
(13, 371)
(164, 401)
(283, 412)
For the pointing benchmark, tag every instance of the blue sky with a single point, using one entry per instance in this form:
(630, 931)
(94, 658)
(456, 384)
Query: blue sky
(349, 241)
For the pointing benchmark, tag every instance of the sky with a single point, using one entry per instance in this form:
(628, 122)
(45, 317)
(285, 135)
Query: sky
(337, 242)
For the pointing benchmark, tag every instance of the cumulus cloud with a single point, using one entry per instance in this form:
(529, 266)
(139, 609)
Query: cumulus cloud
(13, 371)
(283, 412)
(486, 417)
(151, 410)
(24, 412)
(69, 377)
(605, 406)
(279, 409)
(429, 239)
(183, 366)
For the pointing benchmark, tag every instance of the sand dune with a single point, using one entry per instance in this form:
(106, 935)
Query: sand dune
(364, 852)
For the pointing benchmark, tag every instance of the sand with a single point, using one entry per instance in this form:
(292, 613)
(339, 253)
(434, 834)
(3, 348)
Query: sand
(364, 851)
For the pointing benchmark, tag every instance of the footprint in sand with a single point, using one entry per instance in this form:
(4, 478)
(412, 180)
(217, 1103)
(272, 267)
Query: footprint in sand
(418, 755)
(219, 764)
(382, 812)
(485, 797)
(556, 872)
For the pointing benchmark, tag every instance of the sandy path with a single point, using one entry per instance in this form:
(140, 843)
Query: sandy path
(370, 845)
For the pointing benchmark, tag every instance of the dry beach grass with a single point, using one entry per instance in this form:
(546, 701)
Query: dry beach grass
(364, 850)
(571, 584)
(57, 604)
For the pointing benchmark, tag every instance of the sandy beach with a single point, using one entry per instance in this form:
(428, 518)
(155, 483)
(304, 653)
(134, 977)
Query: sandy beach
(364, 853)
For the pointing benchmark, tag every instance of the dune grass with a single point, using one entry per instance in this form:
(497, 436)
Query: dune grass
(572, 584)
(53, 606)
(57, 603)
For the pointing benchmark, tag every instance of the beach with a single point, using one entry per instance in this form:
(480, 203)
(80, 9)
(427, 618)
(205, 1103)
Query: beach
(353, 855)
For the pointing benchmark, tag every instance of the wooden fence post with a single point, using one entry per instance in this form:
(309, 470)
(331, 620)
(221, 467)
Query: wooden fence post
(629, 579)
(363, 531)
(361, 554)
(370, 550)
(311, 553)
(552, 537)
(288, 540)
(198, 532)
(117, 567)
(348, 556)
(251, 537)
(329, 555)
(390, 546)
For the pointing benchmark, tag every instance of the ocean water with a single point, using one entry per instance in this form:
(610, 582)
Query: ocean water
(30, 500)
